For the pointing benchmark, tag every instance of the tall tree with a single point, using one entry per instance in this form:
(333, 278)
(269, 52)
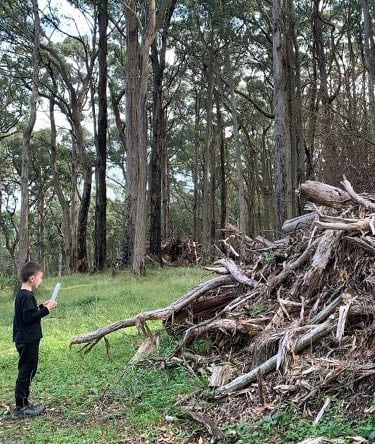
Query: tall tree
(369, 46)
(137, 68)
(280, 122)
(101, 143)
(158, 142)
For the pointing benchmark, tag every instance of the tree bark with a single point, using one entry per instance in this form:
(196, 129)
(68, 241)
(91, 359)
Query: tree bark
(158, 144)
(208, 146)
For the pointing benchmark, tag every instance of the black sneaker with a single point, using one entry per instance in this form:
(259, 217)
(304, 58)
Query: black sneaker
(28, 411)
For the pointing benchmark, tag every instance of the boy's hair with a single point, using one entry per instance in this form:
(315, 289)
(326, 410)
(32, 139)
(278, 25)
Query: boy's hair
(30, 269)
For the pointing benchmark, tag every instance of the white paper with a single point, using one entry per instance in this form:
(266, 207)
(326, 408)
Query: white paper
(56, 291)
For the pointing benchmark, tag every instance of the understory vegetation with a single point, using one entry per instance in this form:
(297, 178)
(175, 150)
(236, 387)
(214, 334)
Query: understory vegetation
(99, 397)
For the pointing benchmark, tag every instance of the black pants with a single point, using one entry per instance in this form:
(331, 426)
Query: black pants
(27, 367)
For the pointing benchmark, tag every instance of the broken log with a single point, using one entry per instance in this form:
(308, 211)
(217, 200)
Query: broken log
(297, 223)
(323, 194)
(326, 245)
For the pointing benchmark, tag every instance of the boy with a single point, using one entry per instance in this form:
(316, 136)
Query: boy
(27, 333)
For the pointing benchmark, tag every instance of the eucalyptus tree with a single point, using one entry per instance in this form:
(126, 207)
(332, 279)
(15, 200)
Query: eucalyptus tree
(158, 138)
(24, 26)
(70, 67)
(139, 36)
(142, 24)
(101, 142)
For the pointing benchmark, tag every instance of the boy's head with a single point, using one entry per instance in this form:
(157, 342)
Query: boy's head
(32, 273)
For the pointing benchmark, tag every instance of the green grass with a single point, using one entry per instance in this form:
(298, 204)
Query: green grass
(99, 398)
(87, 394)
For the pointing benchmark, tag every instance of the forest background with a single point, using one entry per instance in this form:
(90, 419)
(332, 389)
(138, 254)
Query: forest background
(123, 124)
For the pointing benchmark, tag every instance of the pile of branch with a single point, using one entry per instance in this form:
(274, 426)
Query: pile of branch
(179, 252)
(300, 311)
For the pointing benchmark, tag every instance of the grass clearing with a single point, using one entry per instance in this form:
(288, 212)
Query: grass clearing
(84, 392)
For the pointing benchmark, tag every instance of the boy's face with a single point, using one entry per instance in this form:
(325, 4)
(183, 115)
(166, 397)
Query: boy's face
(36, 279)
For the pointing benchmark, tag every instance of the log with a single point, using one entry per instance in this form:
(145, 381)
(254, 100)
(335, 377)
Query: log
(297, 223)
(159, 314)
(227, 325)
(323, 194)
(270, 365)
(327, 244)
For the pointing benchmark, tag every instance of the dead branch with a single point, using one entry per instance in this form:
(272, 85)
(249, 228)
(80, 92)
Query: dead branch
(366, 243)
(159, 314)
(345, 225)
(212, 428)
(236, 273)
(289, 267)
(359, 199)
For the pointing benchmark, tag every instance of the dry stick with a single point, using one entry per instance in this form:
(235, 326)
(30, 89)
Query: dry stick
(160, 314)
(362, 201)
(244, 380)
(207, 422)
(236, 273)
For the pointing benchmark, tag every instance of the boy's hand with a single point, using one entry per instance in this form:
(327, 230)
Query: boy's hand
(51, 304)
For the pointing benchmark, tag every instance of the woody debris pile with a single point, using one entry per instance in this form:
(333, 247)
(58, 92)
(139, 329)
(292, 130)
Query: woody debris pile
(290, 321)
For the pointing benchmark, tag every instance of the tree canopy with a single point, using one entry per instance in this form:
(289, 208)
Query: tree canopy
(171, 119)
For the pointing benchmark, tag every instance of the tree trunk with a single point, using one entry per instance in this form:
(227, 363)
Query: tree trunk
(158, 63)
(280, 124)
(196, 197)
(207, 173)
(296, 170)
(158, 144)
(223, 161)
(66, 217)
(23, 250)
(369, 45)
(237, 145)
(136, 129)
(101, 145)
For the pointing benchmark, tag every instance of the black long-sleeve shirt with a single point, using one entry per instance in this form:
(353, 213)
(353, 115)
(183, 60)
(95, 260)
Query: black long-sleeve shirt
(27, 317)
